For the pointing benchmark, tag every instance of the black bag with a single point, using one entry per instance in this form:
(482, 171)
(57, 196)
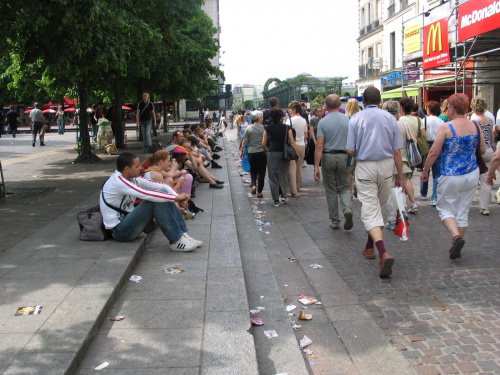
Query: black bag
(91, 225)
(288, 151)
(193, 208)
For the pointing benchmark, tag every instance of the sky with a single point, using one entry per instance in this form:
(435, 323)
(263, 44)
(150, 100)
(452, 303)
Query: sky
(284, 38)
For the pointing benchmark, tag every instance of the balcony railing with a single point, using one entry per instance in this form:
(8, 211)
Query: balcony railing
(371, 69)
(371, 27)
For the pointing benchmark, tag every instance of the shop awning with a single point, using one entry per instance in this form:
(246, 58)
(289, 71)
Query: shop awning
(436, 81)
(397, 93)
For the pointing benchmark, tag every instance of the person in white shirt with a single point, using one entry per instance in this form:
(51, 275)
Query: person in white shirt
(433, 122)
(299, 124)
(127, 222)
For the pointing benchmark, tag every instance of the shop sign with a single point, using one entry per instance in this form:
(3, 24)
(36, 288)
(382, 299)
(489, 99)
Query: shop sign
(477, 17)
(436, 48)
(394, 78)
(412, 38)
(412, 73)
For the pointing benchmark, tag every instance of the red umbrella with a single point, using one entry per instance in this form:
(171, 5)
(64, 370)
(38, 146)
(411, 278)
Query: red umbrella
(126, 108)
(70, 110)
(90, 109)
(29, 110)
(48, 111)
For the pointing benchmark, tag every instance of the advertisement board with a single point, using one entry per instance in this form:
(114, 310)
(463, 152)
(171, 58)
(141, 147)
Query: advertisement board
(412, 38)
(436, 47)
(477, 17)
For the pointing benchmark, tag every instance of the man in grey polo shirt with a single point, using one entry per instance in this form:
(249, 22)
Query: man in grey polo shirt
(331, 142)
(37, 123)
(374, 140)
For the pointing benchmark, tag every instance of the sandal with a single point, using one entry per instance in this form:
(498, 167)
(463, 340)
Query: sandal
(260, 195)
(456, 248)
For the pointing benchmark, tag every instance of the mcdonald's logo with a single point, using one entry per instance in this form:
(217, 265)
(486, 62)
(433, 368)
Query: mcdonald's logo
(436, 49)
(434, 33)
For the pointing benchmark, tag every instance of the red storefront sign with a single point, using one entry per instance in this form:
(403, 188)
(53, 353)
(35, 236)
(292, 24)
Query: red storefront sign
(436, 48)
(476, 17)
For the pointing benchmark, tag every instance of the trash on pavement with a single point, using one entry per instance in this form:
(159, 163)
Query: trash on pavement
(173, 271)
(305, 300)
(308, 351)
(304, 316)
(135, 278)
(256, 311)
(316, 266)
(257, 321)
(117, 318)
(292, 259)
(270, 334)
(305, 341)
(290, 308)
(296, 327)
(101, 366)
(28, 310)
(312, 363)
(261, 308)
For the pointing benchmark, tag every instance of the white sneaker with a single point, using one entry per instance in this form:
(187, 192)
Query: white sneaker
(413, 209)
(183, 244)
(189, 238)
(433, 202)
(283, 199)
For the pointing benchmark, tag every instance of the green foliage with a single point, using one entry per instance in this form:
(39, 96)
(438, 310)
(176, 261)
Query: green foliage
(318, 102)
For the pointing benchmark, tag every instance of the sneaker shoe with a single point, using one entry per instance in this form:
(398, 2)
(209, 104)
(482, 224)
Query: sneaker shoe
(484, 211)
(413, 209)
(276, 203)
(433, 202)
(391, 225)
(217, 149)
(33, 144)
(14, 135)
(42, 144)
(335, 225)
(348, 224)
(369, 253)
(424, 198)
(189, 238)
(283, 199)
(386, 263)
(219, 182)
(215, 156)
(215, 186)
(456, 247)
(295, 195)
(216, 166)
(183, 244)
(188, 215)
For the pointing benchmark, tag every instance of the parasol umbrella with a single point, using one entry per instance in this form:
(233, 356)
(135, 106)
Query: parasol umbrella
(28, 110)
(90, 110)
(70, 110)
(48, 111)
(126, 108)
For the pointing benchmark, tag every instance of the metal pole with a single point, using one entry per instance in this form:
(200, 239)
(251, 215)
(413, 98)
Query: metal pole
(456, 46)
(402, 55)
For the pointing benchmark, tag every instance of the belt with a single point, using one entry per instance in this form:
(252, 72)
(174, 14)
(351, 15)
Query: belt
(335, 152)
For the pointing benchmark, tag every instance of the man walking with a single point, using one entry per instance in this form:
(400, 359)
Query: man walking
(374, 140)
(331, 150)
(127, 222)
(37, 124)
(13, 121)
(146, 118)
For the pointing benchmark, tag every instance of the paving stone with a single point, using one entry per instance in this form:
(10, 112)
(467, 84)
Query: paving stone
(449, 369)
(467, 367)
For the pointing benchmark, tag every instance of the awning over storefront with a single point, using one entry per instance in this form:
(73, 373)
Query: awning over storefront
(397, 93)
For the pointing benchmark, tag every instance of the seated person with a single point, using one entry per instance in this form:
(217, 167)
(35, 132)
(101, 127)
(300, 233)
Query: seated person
(203, 146)
(120, 192)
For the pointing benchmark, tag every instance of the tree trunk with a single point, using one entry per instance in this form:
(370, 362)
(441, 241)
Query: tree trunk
(86, 156)
(139, 98)
(165, 116)
(117, 118)
(177, 114)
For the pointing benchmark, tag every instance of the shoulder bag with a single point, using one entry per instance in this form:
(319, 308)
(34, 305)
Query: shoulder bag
(288, 151)
(92, 226)
(423, 145)
(414, 157)
(480, 161)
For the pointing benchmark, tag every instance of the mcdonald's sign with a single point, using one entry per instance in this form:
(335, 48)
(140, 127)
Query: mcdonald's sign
(436, 48)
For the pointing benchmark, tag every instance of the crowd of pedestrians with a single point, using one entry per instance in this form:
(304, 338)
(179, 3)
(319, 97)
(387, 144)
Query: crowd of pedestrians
(363, 154)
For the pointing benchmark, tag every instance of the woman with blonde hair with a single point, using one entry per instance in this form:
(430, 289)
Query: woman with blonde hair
(444, 111)
(479, 105)
(352, 107)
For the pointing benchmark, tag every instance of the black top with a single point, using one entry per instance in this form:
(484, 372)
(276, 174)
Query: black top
(12, 116)
(145, 110)
(276, 136)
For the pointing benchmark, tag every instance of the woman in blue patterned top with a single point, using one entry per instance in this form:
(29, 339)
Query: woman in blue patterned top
(457, 140)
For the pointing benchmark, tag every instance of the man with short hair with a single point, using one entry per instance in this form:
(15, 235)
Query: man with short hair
(177, 137)
(127, 222)
(374, 140)
(37, 124)
(273, 102)
(330, 149)
(146, 119)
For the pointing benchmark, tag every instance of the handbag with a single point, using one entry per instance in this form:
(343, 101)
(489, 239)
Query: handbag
(480, 161)
(423, 145)
(92, 226)
(288, 151)
(414, 157)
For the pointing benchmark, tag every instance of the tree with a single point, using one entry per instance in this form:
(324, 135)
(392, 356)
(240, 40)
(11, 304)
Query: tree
(318, 101)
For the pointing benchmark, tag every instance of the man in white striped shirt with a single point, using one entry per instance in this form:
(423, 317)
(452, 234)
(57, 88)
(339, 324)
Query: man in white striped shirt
(127, 222)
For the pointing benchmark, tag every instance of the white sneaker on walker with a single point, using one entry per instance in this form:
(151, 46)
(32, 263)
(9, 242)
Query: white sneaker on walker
(413, 209)
(189, 238)
(183, 244)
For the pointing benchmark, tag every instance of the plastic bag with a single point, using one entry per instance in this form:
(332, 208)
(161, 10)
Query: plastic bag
(245, 162)
(399, 198)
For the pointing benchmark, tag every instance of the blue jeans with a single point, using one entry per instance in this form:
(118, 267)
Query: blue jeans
(60, 126)
(146, 129)
(436, 172)
(167, 217)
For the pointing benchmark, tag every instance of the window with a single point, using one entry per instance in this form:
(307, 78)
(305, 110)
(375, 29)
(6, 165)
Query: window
(392, 46)
(362, 20)
(363, 60)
